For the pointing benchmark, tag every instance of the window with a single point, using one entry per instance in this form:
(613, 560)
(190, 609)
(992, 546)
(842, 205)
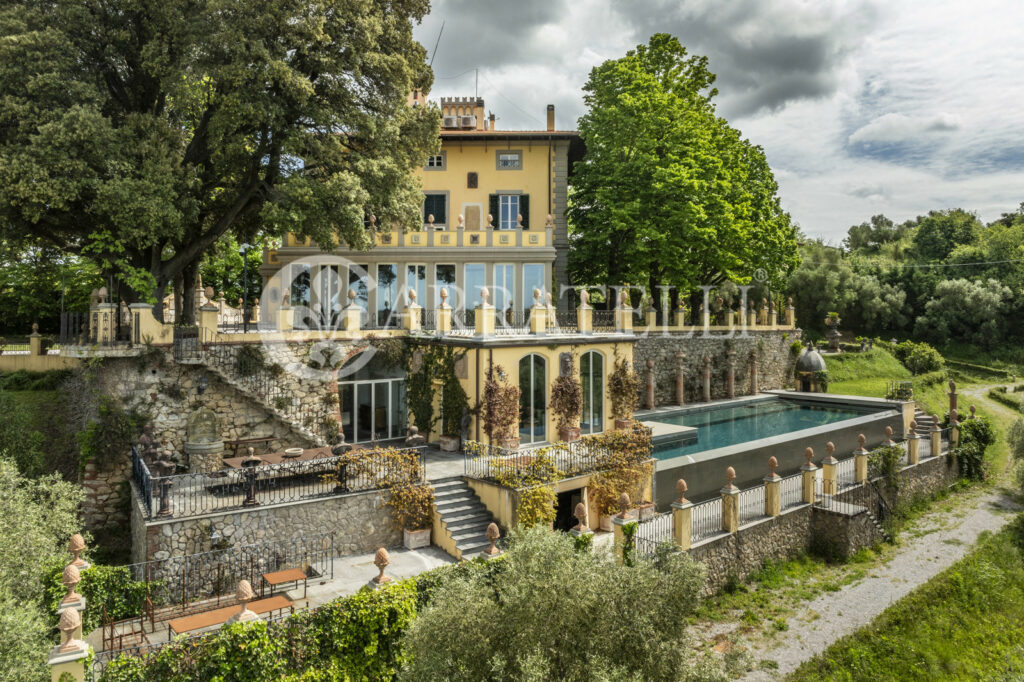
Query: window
(509, 159)
(475, 281)
(372, 400)
(505, 207)
(328, 287)
(504, 286)
(357, 281)
(472, 180)
(435, 205)
(437, 162)
(444, 278)
(300, 286)
(387, 292)
(592, 382)
(416, 279)
(533, 391)
(533, 278)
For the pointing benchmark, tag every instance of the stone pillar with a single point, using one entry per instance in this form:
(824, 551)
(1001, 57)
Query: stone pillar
(444, 315)
(754, 388)
(913, 444)
(730, 380)
(752, 315)
(705, 315)
(936, 437)
(538, 315)
(352, 314)
(413, 313)
(790, 313)
(102, 323)
(208, 313)
(285, 318)
(484, 314)
(730, 503)
(829, 471)
(624, 314)
(680, 316)
(772, 490)
(860, 460)
(35, 341)
(809, 472)
(773, 315)
(649, 392)
(973, 410)
(707, 379)
(618, 521)
(68, 659)
(584, 314)
(952, 396)
(763, 317)
(651, 319)
(682, 517)
(954, 428)
(680, 378)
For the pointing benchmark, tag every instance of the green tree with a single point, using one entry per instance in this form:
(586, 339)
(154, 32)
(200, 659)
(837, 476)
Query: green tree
(963, 310)
(668, 193)
(871, 236)
(553, 613)
(222, 268)
(138, 134)
(35, 279)
(938, 233)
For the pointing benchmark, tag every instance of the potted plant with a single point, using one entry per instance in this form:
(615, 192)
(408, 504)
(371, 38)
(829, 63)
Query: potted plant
(567, 405)
(413, 509)
(399, 473)
(623, 387)
(500, 409)
(646, 510)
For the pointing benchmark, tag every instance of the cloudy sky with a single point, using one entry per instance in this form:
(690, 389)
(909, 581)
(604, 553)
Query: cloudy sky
(862, 106)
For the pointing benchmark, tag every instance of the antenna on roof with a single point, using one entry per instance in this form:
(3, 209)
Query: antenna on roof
(436, 43)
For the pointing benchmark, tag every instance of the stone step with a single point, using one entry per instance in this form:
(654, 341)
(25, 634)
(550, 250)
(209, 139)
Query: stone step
(474, 533)
(469, 522)
(455, 501)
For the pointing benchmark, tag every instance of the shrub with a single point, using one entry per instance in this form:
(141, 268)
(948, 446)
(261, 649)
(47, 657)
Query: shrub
(623, 384)
(22, 380)
(624, 466)
(536, 506)
(1015, 437)
(107, 438)
(885, 462)
(976, 435)
(104, 587)
(454, 403)
(567, 401)
(500, 409)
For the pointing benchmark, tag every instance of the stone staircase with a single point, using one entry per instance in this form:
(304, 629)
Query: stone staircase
(924, 422)
(462, 517)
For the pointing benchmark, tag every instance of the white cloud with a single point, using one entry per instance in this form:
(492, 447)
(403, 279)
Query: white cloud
(900, 128)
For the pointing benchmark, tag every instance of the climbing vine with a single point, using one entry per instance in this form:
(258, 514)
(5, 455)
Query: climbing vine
(623, 385)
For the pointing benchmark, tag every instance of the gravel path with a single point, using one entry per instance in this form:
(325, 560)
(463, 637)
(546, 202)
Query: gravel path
(833, 615)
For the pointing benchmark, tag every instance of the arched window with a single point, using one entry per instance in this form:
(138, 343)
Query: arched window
(592, 381)
(533, 395)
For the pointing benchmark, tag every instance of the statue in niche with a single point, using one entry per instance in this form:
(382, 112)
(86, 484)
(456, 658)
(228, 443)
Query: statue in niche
(203, 426)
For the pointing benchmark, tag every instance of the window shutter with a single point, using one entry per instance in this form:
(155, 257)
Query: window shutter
(524, 210)
(493, 208)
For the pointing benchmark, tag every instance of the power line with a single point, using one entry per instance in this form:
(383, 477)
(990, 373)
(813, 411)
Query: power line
(933, 265)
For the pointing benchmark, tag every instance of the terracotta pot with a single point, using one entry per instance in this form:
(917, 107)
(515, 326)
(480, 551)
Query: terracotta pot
(449, 443)
(622, 424)
(511, 443)
(605, 522)
(569, 433)
(415, 539)
(646, 511)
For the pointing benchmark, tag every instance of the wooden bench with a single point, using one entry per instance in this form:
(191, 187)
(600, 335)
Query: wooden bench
(220, 616)
(290, 575)
(240, 443)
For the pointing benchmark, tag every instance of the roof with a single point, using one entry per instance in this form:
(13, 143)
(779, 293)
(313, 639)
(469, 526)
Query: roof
(810, 361)
(510, 134)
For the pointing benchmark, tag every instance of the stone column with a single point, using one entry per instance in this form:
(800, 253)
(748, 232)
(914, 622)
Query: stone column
(682, 519)
(730, 503)
(538, 315)
(443, 314)
(730, 381)
(772, 490)
(651, 319)
(35, 341)
(584, 314)
(208, 313)
(829, 471)
(707, 379)
(790, 313)
(68, 659)
(773, 315)
(705, 315)
(102, 323)
(952, 396)
(285, 318)
(936, 436)
(352, 314)
(763, 318)
(413, 311)
(624, 314)
(680, 378)
(860, 460)
(484, 314)
(954, 427)
(809, 472)
(913, 444)
(752, 315)
(649, 392)
(754, 388)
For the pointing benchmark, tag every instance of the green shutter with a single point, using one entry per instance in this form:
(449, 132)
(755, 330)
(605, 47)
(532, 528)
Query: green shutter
(493, 208)
(524, 210)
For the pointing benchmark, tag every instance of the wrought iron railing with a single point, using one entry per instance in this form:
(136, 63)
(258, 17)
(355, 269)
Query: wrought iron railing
(577, 458)
(651, 533)
(750, 503)
(706, 519)
(604, 319)
(107, 327)
(567, 321)
(511, 322)
(791, 491)
(185, 495)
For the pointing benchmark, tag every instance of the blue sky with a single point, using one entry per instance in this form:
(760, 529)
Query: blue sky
(861, 106)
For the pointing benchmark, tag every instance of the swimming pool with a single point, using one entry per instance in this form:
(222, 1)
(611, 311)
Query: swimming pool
(720, 427)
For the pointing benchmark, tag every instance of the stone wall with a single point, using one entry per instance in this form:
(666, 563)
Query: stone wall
(106, 491)
(775, 362)
(360, 522)
(838, 533)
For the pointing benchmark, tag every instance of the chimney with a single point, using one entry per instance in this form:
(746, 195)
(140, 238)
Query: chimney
(551, 117)
(493, 127)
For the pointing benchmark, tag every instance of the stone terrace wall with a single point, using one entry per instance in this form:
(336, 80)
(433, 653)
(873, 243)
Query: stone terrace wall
(360, 521)
(774, 367)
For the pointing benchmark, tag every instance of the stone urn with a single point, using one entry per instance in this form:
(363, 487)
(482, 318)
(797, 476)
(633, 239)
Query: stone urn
(605, 522)
(416, 539)
(569, 433)
(832, 322)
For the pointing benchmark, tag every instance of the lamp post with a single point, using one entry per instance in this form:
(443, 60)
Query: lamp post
(243, 250)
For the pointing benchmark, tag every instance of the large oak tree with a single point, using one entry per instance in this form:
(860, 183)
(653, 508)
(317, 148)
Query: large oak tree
(139, 132)
(668, 193)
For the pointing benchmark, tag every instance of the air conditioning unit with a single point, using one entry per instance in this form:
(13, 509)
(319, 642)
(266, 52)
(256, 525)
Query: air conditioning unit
(469, 121)
(450, 122)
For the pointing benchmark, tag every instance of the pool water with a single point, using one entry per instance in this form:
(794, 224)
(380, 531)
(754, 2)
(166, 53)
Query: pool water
(724, 426)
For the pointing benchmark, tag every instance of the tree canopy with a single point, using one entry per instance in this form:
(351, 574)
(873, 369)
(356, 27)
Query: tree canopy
(140, 133)
(668, 193)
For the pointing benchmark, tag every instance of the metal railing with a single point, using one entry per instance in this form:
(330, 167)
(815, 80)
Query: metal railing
(184, 495)
(108, 327)
(577, 458)
(791, 491)
(566, 321)
(706, 520)
(653, 532)
(511, 322)
(143, 480)
(603, 319)
(750, 503)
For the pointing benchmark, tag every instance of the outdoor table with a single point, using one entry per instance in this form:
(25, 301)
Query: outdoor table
(221, 615)
(290, 575)
(278, 458)
(240, 443)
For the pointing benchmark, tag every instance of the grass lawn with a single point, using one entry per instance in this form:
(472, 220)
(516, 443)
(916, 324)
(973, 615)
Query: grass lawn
(964, 624)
